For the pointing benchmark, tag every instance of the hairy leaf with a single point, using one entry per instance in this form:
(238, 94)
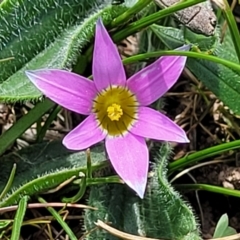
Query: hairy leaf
(62, 53)
(52, 35)
(42, 167)
(29, 26)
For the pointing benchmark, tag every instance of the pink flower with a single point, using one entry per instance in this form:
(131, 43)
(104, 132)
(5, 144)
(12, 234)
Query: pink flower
(117, 107)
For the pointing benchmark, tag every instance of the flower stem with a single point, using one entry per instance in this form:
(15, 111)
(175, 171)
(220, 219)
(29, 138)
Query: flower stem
(203, 154)
(145, 56)
(103, 180)
(129, 13)
(209, 188)
(18, 219)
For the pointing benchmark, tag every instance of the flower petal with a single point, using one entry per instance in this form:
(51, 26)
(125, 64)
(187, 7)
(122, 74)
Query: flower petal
(153, 81)
(129, 157)
(107, 65)
(155, 125)
(84, 135)
(68, 89)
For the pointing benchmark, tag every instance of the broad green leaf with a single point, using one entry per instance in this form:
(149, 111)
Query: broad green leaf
(53, 37)
(222, 81)
(28, 26)
(172, 215)
(173, 37)
(222, 228)
(42, 167)
(229, 232)
(162, 214)
(62, 53)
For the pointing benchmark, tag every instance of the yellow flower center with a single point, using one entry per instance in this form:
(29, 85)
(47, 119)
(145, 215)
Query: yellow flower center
(116, 110)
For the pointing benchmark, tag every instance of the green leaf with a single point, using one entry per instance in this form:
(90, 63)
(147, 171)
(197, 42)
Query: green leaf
(161, 214)
(173, 37)
(229, 231)
(18, 219)
(28, 26)
(172, 215)
(44, 166)
(222, 228)
(110, 201)
(61, 51)
(222, 81)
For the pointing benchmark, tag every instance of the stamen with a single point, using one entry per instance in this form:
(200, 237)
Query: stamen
(114, 112)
